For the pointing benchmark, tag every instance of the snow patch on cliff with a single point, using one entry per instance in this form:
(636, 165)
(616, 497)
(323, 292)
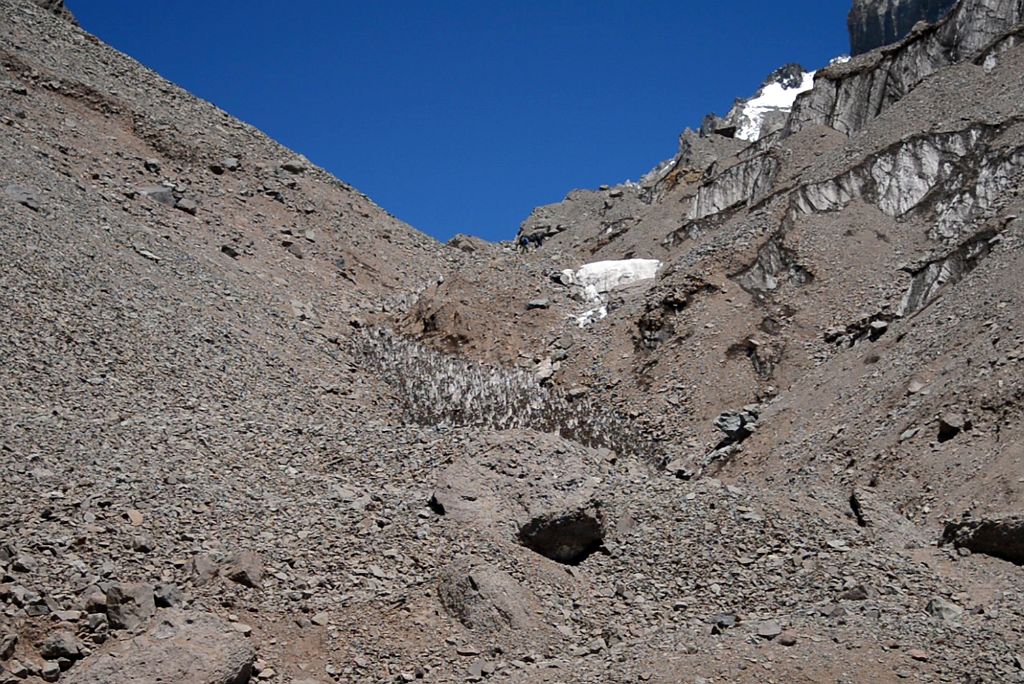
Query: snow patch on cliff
(596, 279)
(773, 97)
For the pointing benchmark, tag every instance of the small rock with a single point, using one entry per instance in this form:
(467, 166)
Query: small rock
(94, 600)
(918, 654)
(168, 596)
(951, 425)
(7, 644)
(225, 164)
(538, 304)
(22, 196)
(129, 605)
(50, 671)
(204, 568)
(24, 563)
(769, 630)
(61, 644)
(680, 469)
(545, 370)
(245, 568)
(944, 610)
(857, 593)
(97, 622)
(18, 669)
(160, 194)
(909, 433)
(295, 165)
(143, 543)
(722, 622)
(787, 639)
(189, 206)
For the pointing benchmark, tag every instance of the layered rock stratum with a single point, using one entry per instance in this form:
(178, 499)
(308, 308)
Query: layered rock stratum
(255, 429)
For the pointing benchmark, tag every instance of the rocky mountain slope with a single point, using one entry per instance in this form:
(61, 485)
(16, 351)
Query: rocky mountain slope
(256, 429)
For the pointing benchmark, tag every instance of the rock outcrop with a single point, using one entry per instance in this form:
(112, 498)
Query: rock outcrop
(874, 23)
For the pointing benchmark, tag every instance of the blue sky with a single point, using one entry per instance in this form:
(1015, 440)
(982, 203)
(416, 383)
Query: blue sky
(459, 115)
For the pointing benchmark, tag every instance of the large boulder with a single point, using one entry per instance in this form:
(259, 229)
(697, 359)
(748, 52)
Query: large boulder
(874, 23)
(515, 477)
(181, 646)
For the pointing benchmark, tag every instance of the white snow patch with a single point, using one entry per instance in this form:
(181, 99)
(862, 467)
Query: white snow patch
(591, 315)
(603, 276)
(772, 98)
(600, 277)
(841, 59)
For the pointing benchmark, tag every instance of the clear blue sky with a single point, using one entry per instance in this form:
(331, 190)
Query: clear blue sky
(462, 115)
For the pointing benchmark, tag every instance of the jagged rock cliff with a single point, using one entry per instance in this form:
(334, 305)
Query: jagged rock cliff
(874, 23)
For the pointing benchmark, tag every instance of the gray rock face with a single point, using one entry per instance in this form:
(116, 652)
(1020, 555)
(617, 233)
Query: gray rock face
(774, 265)
(901, 177)
(745, 182)
(874, 23)
(930, 277)
(180, 647)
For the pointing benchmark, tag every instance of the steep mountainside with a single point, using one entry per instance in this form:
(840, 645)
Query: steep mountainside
(754, 418)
